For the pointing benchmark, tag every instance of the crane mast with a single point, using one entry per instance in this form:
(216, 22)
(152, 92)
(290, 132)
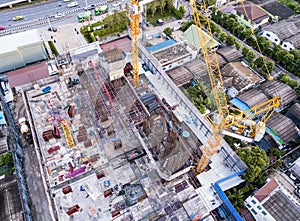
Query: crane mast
(223, 121)
(218, 91)
(135, 31)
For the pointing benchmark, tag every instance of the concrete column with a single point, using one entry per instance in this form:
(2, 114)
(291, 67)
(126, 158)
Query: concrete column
(10, 6)
(29, 1)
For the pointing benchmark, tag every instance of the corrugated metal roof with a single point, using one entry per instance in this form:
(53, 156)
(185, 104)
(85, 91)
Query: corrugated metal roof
(161, 45)
(283, 126)
(28, 74)
(192, 37)
(230, 53)
(295, 110)
(180, 75)
(275, 88)
(252, 97)
(12, 42)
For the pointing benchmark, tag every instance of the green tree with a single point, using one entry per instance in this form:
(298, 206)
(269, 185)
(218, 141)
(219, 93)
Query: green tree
(223, 36)
(275, 152)
(153, 7)
(230, 40)
(199, 96)
(268, 67)
(256, 159)
(234, 27)
(236, 197)
(245, 51)
(259, 62)
(238, 45)
(163, 4)
(168, 31)
(283, 78)
(228, 23)
(293, 84)
(218, 30)
(288, 58)
(296, 54)
(250, 56)
(170, 5)
(248, 33)
(280, 54)
(181, 10)
(240, 31)
(7, 159)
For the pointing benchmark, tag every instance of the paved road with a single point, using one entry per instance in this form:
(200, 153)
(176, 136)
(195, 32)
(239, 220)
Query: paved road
(37, 14)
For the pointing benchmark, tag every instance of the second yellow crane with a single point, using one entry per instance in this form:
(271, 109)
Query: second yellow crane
(135, 31)
(238, 125)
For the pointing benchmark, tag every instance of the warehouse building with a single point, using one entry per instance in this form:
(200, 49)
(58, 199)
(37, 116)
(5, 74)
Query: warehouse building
(20, 49)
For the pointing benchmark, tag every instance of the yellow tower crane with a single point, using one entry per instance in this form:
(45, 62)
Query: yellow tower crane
(224, 122)
(135, 31)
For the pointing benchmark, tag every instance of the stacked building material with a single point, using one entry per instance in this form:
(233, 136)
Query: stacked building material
(56, 132)
(82, 134)
(100, 175)
(53, 149)
(72, 110)
(67, 189)
(47, 135)
(88, 143)
(73, 209)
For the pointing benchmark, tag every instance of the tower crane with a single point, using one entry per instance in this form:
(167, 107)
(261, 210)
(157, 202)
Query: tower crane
(238, 125)
(135, 31)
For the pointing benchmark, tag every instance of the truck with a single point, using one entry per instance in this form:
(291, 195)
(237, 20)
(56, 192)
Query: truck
(85, 16)
(23, 125)
(101, 10)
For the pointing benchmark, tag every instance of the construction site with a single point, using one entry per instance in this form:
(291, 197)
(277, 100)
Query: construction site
(110, 150)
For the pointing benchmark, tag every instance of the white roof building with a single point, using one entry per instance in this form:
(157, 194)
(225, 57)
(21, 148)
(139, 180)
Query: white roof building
(20, 49)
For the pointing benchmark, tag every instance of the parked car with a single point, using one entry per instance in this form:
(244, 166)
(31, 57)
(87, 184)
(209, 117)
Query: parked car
(18, 17)
(60, 15)
(2, 28)
(159, 22)
(52, 29)
(90, 7)
(67, 0)
(116, 4)
(72, 4)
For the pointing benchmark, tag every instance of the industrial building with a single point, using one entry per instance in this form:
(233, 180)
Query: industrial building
(20, 49)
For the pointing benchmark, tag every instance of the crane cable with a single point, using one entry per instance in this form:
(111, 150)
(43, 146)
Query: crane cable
(255, 38)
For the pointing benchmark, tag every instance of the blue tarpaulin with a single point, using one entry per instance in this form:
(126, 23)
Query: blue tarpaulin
(2, 118)
(240, 104)
(161, 45)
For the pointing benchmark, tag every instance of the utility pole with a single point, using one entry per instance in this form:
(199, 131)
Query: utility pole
(89, 17)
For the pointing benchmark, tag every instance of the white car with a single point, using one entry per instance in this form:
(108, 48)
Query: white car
(60, 15)
(67, 0)
(72, 4)
(116, 4)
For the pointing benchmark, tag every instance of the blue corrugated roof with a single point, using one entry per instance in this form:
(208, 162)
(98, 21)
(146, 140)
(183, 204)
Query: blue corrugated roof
(240, 104)
(161, 45)
(2, 118)
(224, 198)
